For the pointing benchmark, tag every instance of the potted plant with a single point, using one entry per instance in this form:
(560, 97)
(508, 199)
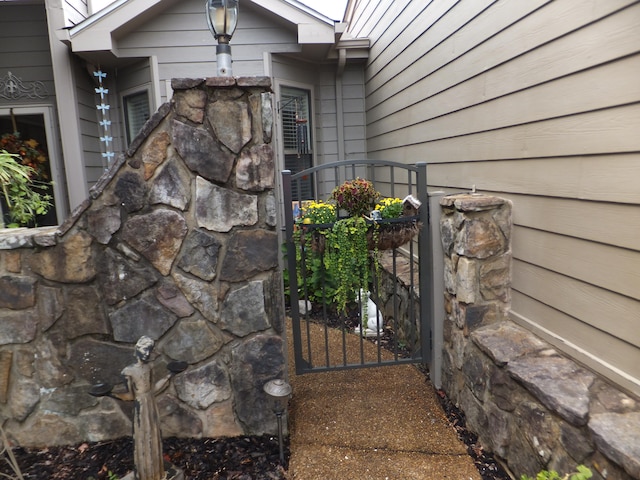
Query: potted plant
(20, 190)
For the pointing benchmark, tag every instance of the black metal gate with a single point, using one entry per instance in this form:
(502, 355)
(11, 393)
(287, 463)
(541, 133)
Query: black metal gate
(326, 340)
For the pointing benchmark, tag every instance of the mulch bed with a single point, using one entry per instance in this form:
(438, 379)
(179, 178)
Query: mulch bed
(238, 458)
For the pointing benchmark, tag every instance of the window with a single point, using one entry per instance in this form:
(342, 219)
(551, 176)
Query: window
(34, 126)
(136, 113)
(296, 138)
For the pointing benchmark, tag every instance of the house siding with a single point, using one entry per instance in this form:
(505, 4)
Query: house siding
(24, 49)
(537, 102)
(184, 47)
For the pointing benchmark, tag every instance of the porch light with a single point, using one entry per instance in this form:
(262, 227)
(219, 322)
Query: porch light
(222, 17)
(279, 390)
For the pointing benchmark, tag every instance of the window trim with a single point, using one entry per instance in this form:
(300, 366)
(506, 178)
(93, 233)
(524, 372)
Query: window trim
(129, 135)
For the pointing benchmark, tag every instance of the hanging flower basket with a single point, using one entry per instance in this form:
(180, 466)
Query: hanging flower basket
(348, 246)
(381, 235)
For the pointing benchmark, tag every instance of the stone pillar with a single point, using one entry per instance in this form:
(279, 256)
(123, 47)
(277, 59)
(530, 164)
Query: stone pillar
(476, 239)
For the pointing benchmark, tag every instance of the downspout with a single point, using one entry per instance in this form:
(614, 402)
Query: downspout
(342, 60)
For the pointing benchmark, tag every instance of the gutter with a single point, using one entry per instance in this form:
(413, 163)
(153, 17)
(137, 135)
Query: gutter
(95, 17)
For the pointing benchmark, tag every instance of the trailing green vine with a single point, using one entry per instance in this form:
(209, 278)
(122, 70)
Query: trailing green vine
(347, 257)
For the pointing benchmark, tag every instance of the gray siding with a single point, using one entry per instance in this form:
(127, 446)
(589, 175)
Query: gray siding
(131, 79)
(181, 41)
(538, 102)
(24, 49)
(88, 113)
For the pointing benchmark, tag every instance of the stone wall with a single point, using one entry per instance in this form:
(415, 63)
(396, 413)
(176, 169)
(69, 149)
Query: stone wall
(399, 298)
(530, 405)
(178, 242)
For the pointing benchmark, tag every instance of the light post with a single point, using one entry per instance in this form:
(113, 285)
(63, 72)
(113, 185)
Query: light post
(222, 17)
(279, 390)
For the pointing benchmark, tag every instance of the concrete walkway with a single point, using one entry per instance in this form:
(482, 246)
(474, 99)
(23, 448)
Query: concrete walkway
(379, 423)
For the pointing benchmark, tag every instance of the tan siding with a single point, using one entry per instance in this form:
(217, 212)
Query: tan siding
(604, 353)
(542, 39)
(592, 305)
(607, 223)
(600, 132)
(612, 84)
(537, 102)
(609, 267)
(610, 178)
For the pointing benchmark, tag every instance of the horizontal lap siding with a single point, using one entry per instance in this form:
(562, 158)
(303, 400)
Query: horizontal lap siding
(24, 50)
(181, 41)
(537, 102)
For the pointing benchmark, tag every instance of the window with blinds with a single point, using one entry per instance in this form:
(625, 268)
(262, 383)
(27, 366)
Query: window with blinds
(296, 132)
(296, 121)
(136, 112)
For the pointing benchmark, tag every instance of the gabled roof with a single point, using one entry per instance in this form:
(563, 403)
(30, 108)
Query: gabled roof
(97, 32)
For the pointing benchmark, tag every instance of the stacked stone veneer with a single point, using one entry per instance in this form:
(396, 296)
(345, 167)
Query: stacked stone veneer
(400, 298)
(178, 242)
(533, 407)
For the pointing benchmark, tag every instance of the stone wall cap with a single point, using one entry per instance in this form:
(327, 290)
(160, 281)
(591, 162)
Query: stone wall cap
(186, 83)
(11, 238)
(220, 82)
(506, 341)
(472, 202)
(254, 82)
(73, 218)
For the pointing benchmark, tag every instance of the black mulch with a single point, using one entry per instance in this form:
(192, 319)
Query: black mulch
(239, 458)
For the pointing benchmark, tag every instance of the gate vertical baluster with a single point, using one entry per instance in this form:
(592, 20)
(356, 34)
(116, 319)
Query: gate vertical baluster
(291, 265)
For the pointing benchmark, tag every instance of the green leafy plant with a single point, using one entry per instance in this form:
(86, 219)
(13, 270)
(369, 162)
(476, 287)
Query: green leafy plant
(317, 213)
(347, 258)
(389, 207)
(581, 473)
(20, 191)
(336, 258)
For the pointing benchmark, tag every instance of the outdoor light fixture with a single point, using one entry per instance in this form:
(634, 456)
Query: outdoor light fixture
(279, 390)
(222, 17)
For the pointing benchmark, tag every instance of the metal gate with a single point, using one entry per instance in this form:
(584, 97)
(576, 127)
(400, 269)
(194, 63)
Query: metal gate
(326, 340)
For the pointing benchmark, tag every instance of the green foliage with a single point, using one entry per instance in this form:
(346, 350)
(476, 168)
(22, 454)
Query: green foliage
(334, 262)
(317, 213)
(347, 259)
(20, 191)
(581, 473)
(389, 207)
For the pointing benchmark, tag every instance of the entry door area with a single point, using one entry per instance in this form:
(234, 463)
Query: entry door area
(297, 131)
(32, 129)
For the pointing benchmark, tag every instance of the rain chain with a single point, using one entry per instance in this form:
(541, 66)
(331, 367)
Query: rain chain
(105, 123)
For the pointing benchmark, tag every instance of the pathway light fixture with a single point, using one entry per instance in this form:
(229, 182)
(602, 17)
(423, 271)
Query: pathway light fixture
(279, 390)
